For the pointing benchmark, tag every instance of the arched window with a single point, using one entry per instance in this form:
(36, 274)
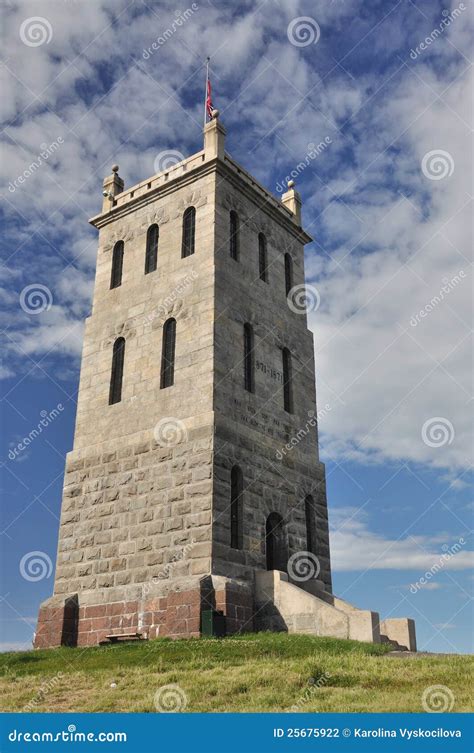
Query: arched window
(234, 235)
(151, 255)
(288, 273)
(287, 388)
(262, 257)
(189, 229)
(167, 353)
(117, 265)
(310, 515)
(275, 543)
(116, 377)
(248, 358)
(236, 492)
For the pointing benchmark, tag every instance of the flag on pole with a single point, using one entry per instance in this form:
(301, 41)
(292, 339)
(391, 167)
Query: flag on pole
(209, 105)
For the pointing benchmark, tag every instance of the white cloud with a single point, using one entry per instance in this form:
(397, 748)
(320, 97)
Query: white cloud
(354, 547)
(386, 256)
(384, 376)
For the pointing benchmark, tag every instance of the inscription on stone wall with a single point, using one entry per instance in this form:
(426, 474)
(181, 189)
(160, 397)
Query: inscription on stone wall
(263, 422)
(269, 371)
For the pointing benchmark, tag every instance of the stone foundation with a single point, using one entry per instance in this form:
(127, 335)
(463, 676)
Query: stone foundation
(177, 614)
(57, 623)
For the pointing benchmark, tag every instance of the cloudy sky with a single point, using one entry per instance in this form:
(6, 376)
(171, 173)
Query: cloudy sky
(383, 88)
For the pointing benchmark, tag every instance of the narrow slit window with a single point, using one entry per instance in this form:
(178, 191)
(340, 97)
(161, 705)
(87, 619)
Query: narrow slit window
(168, 352)
(310, 516)
(287, 386)
(117, 265)
(234, 235)
(262, 258)
(116, 377)
(189, 232)
(151, 255)
(288, 274)
(248, 358)
(236, 504)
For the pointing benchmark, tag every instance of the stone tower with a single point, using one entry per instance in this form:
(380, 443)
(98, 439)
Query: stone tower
(194, 478)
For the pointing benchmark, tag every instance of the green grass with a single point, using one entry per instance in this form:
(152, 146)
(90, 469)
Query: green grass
(258, 672)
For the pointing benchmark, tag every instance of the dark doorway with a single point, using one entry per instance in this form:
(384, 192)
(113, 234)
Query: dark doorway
(277, 555)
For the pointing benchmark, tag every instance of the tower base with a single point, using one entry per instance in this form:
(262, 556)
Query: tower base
(271, 603)
(88, 618)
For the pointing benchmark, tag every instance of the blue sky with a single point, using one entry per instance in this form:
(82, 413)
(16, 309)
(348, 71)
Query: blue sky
(385, 86)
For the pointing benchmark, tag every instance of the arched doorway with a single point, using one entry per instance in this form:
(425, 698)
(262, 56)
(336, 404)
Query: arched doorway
(275, 540)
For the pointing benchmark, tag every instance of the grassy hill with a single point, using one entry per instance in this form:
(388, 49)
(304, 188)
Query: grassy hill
(258, 672)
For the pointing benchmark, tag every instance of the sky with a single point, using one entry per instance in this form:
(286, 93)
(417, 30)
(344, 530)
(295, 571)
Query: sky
(366, 105)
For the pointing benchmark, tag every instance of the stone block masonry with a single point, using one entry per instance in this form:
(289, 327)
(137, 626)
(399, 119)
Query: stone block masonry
(177, 496)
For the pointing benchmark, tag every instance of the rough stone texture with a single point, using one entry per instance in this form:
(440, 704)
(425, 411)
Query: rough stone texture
(145, 519)
(253, 429)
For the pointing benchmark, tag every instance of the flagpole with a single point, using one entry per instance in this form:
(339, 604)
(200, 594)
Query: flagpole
(205, 91)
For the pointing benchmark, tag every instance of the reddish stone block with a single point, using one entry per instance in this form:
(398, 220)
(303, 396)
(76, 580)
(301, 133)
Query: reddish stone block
(193, 626)
(57, 624)
(176, 598)
(176, 627)
(100, 623)
(99, 610)
(153, 604)
(182, 612)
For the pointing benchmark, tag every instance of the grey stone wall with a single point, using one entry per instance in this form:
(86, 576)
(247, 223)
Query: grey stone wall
(138, 489)
(147, 486)
(253, 430)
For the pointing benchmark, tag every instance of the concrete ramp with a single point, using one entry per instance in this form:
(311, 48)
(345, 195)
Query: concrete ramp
(281, 605)
(306, 608)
